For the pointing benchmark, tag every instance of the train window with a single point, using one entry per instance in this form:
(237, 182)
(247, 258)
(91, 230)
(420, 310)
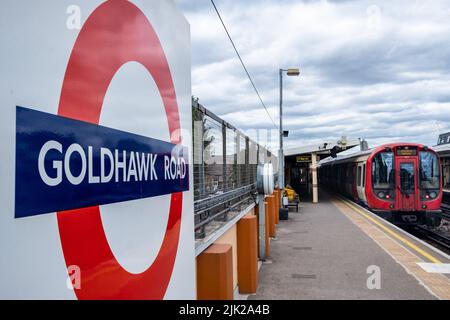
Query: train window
(429, 171)
(407, 177)
(383, 170)
(364, 176)
(358, 178)
(446, 173)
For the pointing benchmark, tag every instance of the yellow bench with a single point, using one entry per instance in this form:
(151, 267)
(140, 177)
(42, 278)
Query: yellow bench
(293, 198)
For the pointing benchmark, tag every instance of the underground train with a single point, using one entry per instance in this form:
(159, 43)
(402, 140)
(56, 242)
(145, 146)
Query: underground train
(443, 150)
(400, 182)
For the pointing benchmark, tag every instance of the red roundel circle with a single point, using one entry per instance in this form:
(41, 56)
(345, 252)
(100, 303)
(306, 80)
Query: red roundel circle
(117, 32)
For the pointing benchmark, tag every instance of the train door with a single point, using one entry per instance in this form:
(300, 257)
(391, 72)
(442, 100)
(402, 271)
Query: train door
(446, 174)
(354, 183)
(359, 181)
(446, 179)
(406, 184)
(363, 187)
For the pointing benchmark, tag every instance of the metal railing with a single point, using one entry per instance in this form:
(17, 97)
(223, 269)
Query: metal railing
(225, 167)
(218, 207)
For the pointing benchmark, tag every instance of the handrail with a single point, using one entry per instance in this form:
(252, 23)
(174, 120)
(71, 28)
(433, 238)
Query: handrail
(212, 204)
(215, 216)
(215, 200)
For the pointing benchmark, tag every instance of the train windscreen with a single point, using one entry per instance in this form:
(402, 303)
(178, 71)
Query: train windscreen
(429, 170)
(383, 170)
(407, 179)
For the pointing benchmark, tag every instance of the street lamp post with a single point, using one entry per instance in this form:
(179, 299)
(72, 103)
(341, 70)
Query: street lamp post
(291, 72)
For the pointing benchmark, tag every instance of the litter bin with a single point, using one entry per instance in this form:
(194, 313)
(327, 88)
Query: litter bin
(284, 213)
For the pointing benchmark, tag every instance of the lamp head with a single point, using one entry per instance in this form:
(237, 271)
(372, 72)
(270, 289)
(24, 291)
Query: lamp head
(293, 72)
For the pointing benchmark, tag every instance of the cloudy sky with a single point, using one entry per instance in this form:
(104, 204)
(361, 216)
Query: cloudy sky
(370, 69)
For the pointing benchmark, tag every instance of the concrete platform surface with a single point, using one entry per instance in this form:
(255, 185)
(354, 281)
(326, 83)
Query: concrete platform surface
(321, 254)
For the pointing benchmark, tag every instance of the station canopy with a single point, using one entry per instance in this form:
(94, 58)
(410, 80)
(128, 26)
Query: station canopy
(325, 148)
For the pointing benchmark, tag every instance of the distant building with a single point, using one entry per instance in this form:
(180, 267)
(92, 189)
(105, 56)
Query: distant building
(444, 139)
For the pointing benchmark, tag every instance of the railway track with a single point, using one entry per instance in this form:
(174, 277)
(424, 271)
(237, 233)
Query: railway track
(433, 237)
(446, 211)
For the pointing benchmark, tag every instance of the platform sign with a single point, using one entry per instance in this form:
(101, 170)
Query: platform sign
(96, 170)
(304, 158)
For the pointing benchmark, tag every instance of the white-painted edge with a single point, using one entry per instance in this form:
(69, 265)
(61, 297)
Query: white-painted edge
(407, 270)
(429, 246)
(442, 268)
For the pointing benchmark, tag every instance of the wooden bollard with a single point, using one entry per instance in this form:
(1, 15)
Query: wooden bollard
(266, 211)
(277, 206)
(272, 228)
(215, 273)
(247, 255)
(257, 227)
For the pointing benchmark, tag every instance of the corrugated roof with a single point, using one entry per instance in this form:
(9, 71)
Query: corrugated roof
(319, 147)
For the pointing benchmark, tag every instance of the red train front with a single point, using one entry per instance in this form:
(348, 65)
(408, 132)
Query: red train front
(401, 182)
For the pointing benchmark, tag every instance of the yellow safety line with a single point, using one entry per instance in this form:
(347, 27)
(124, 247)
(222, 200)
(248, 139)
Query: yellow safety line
(396, 235)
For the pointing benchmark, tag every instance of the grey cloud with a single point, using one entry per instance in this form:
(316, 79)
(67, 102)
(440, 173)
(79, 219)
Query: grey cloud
(378, 72)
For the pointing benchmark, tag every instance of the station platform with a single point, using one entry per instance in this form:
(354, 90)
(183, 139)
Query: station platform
(338, 250)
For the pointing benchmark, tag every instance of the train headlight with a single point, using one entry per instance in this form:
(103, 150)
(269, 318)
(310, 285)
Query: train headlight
(433, 195)
(381, 194)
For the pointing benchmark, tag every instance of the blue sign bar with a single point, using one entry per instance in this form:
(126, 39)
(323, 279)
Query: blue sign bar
(64, 164)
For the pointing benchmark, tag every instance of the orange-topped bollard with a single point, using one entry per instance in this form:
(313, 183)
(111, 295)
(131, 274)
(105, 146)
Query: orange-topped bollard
(247, 255)
(215, 273)
(257, 227)
(266, 211)
(277, 205)
(271, 222)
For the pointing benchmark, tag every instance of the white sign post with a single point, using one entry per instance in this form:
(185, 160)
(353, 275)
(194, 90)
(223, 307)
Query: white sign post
(96, 170)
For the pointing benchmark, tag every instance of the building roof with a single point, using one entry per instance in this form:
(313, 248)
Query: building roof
(323, 148)
(345, 155)
(442, 149)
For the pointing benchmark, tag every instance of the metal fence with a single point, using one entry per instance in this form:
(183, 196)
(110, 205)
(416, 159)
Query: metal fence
(225, 165)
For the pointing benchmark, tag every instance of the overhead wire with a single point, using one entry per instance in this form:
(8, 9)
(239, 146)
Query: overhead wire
(242, 63)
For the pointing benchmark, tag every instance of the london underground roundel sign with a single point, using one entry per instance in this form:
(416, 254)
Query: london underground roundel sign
(70, 164)
(89, 248)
